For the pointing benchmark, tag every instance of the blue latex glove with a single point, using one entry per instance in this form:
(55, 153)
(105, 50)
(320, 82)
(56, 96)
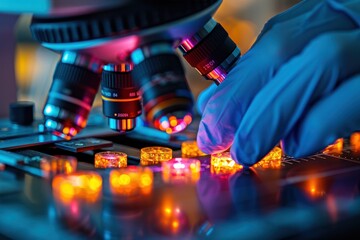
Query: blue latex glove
(299, 82)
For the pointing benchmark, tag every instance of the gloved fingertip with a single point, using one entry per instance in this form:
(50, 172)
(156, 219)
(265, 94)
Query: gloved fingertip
(206, 145)
(289, 147)
(210, 140)
(238, 155)
(204, 97)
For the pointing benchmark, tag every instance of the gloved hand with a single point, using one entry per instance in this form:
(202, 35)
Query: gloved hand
(299, 82)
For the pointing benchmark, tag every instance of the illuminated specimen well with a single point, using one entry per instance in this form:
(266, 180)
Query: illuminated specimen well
(272, 159)
(154, 155)
(335, 148)
(181, 170)
(131, 181)
(110, 159)
(190, 149)
(222, 163)
(82, 185)
(60, 164)
(355, 142)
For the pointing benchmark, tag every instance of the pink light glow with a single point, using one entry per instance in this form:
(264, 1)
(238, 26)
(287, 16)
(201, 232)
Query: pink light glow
(165, 124)
(178, 165)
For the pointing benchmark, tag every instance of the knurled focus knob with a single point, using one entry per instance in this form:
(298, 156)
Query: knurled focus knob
(21, 112)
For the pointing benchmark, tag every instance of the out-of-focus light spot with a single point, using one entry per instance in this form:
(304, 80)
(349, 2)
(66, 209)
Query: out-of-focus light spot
(173, 124)
(336, 148)
(60, 164)
(190, 149)
(173, 121)
(2, 167)
(131, 181)
(187, 119)
(73, 131)
(154, 155)
(181, 170)
(66, 130)
(175, 224)
(167, 210)
(315, 188)
(171, 220)
(110, 159)
(272, 160)
(222, 163)
(81, 185)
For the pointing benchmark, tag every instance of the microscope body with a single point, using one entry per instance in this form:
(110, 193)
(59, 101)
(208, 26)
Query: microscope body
(129, 49)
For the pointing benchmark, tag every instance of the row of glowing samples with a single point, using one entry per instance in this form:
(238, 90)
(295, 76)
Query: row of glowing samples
(87, 185)
(220, 163)
(130, 181)
(133, 180)
(148, 155)
(124, 182)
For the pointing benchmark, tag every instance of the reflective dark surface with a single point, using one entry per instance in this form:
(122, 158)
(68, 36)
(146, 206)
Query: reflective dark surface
(311, 198)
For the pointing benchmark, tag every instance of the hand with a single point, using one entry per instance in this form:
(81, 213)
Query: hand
(300, 83)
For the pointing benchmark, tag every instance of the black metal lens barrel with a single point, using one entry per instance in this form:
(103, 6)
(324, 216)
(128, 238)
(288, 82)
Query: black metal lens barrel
(211, 51)
(75, 83)
(121, 99)
(166, 94)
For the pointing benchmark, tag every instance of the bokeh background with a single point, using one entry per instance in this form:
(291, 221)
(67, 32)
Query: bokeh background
(26, 68)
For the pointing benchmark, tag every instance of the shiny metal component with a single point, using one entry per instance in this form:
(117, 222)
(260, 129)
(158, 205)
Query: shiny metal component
(122, 67)
(123, 119)
(75, 84)
(191, 42)
(58, 7)
(116, 48)
(219, 74)
(144, 52)
(91, 63)
(122, 125)
(208, 57)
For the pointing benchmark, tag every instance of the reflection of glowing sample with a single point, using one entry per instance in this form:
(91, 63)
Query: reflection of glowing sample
(172, 124)
(81, 185)
(355, 142)
(336, 148)
(58, 165)
(154, 155)
(191, 149)
(173, 220)
(110, 159)
(271, 160)
(131, 181)
(222, 163)
(181, 170)
(315, 188)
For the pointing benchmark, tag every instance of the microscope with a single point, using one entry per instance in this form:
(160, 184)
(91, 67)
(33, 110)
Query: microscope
(131, 50)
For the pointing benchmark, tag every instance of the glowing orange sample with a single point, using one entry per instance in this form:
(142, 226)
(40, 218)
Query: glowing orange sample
(82, 185)
(110, 159)
(355, 142)
(131, 181)
(336, 148)
(58, 165)
(191, 149)
(154, 155)
(222, 163)
(271, 160)
(2, 167)
(181, 170)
